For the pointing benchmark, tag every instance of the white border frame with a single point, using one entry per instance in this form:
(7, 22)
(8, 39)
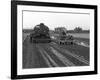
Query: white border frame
(21, 71)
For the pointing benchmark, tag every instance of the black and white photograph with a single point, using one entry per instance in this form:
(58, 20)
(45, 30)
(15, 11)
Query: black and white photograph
(53, 39)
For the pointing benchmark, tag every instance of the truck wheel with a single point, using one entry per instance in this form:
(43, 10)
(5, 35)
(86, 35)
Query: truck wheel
(71, 42)
(31, 39)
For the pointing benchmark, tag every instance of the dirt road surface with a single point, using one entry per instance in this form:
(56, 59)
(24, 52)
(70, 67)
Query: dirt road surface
(44, 55)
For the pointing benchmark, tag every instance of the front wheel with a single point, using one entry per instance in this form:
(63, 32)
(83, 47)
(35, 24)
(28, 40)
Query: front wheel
(31, 39)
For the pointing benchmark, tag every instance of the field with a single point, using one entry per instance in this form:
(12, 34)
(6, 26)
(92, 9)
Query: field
(81, 35)
(53, 54)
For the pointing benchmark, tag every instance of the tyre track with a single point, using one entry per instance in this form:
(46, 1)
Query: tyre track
(44, 57)
(61, 57)
(81, 59)
(48, 56)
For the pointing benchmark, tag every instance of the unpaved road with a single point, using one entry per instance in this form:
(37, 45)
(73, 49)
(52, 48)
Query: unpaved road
(45, 55)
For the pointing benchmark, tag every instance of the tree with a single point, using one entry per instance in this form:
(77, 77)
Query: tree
(78, 29)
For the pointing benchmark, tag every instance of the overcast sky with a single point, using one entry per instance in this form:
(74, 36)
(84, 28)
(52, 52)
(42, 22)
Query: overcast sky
(52, 20)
